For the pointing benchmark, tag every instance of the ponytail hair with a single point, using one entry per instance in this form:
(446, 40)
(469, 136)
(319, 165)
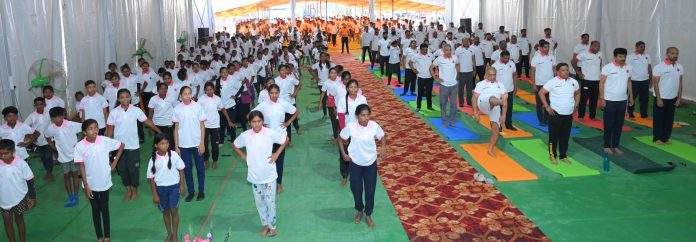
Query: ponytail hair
(159, 138)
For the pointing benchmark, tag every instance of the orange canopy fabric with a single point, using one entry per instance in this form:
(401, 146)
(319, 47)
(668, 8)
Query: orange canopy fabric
(384, 5)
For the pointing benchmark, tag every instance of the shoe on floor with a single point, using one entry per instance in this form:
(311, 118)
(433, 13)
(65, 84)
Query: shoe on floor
(189, 197)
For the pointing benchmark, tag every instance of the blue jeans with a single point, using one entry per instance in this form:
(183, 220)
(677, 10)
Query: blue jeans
(448, 99)
(190, 155)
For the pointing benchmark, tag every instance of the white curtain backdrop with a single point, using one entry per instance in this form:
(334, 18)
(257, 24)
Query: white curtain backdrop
(508, 13)
(466, 9)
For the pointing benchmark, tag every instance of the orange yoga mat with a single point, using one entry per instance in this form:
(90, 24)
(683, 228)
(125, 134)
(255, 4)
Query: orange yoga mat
(597, 123)
(501, 166)
(648, 122)
(526, 96)
(486, 122)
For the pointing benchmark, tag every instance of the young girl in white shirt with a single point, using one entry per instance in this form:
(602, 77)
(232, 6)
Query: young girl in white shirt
(165, 174)
(160, 112)
(189, 131)
(92, 155)
(264, 147)
(263, 95)
(329, 91)
(345, 107)
(212, 105)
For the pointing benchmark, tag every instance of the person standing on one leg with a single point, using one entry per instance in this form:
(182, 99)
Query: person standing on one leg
(465, 78)
(667, 84)
(490, 96)
(446, 75)
(590, 62)
(420, 64)
(563, 92)
(541, 72)
(506, 75)
(614, 90)
(363, 155)
(641, 74)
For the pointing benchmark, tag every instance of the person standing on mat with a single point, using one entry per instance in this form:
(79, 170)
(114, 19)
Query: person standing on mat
(563, 92)
(366, 40)
(465, 75)
(667, 84)
(409, 74)
(446, 75)
(542, 71)
(591, 63)
(363, 154)
(394, 62)
(525, 47)
(507, 75)
(490, 96)
(478, 58)
(614, 90)
(420, 63)
(641, 74)
(383, 50)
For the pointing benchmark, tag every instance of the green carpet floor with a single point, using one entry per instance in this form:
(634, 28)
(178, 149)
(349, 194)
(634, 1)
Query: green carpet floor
(314, 207)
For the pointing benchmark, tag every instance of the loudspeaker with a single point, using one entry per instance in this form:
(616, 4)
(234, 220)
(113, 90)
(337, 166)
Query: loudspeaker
(203, 33)
(466, 22)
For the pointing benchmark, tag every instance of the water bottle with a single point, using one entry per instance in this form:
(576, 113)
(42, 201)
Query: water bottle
(605, 164)
(210, 236)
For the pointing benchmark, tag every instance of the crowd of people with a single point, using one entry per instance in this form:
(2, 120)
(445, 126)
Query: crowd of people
(244, 85)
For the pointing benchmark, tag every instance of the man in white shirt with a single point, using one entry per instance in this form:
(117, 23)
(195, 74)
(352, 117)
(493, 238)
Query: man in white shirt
(501, 35)
(641, 74)
(515, 53)
(563, 92)
(591, 63)
(465, 75)
(383, 44)
(420, 63)
(446, 74)
(495, 56)
(365, 40)
(487, 45)
(580, 48)
(506, 74)
(667, 87)
(479, 61)
(525, 47)
(479, 32)
(541, 72)
(614, 90)
(551, 40)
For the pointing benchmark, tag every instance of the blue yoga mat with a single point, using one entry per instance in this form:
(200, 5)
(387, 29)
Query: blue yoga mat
(530, 119)
(406, 98)
(458, 132)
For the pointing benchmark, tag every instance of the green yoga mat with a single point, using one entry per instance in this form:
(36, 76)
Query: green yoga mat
(537, 150)
(677, 148)
(629, 160)
(520, 108)
(425, 111)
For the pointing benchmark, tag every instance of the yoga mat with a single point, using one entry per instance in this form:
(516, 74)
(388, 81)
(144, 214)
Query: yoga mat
(596, 123)
(526, 96)
(406, 98)
(530, 119)
(677, 148)
(456, 133)
(502, 167)
(648, 122)
(520, 108)
(486, 122)
(538, 151)
(394, 81)
(424, 110)
(629, 160)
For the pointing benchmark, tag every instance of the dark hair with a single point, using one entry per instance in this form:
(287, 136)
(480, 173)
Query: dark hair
(640, 43)
(125, 67)
(7, 144)
(584, 35)
(121, 91)
(89, 82)
(208, 84)
(504, 53)
(161, 84)
(79, 93)
(255, 113)
(166, 73)
(181, 74)
(88, 123)
(559, 65)
(55, 112)
(47, 87)
(181, 91)
(344, 74)
(8, 110)
(543, 43)
(351, 81)
(549, 29)
(159, 138)
(423, 46)
(273, 86)
(361, 108)
(620, 51)
(39, 99)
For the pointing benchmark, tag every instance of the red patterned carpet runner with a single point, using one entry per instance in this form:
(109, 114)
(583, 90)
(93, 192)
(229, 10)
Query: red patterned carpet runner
(430, 185)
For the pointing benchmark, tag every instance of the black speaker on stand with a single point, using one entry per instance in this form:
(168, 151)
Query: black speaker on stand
(203, 34)
(466, 22)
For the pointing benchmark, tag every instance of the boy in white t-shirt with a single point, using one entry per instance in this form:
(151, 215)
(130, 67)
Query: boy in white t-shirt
(20, 133)
(39, 120)
(62, 136)
(17, 192)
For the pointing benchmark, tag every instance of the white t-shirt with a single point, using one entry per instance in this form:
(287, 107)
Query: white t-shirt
(259, 148)
(55, 101)
(95, 157)
(274, 113)
(17, 135)
(39, 122)
(591, 65)
(362, 148)
(287, 87)
(639, 66)
(264, 96)
(478, 54)
(352, 105)
(487, 47)
(422, 64)
(131, 83)
(504, 74)
(211, 106)
(514, 50)
(580, 48)
(165, 176)
(384, 46)
(544, 65)
(669, 75)
(188, 117)
(13, 182)
(409, 54)
(447, 70)
(523, 42)
(562, 94)
(65, 138)
(465, 58)
(616, 85)
(162, 111)
(228, 88)
(94, 108)
(125, 124)
(487, 89)
(365, 38)
(394, 54)
(322, 72)
(495, 56)
(151, 79)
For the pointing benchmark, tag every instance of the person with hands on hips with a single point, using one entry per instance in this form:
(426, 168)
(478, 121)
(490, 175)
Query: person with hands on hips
(564, 93)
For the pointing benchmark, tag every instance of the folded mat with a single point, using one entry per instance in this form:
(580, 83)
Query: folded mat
(406, 98)
(458, 132)
(677, 148)
(424, 110)
(596, 123)
(526, 96)
(502, 167)
(629, 160)
(530, 119)
(486, 122)
(648, 122)
(538, 151)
